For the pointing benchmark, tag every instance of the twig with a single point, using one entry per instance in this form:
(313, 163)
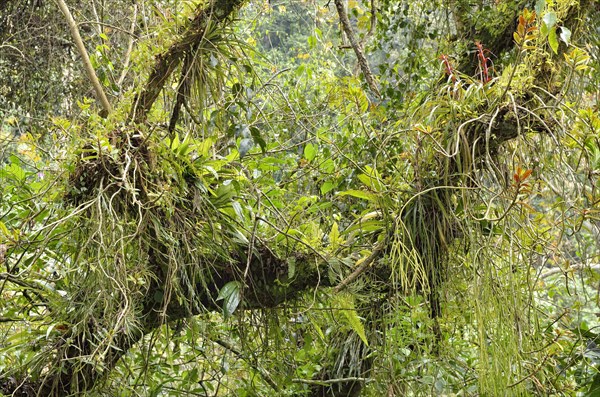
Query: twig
(10, 319)
(572, 268)
(373, 21)
(263, 373)
(360, 269)
(129, 47)
(362, 61)
(13, 48)
(330, 381)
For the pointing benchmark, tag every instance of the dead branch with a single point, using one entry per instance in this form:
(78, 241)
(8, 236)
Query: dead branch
(362, 60)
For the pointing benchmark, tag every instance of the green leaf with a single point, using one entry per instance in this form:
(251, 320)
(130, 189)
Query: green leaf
(550, 19)
(565, 35)
(223, 195)
(158, 296)
(84, 105)
(334, 235)
(540, 6)
(203, 147)
(4, 230)
(230, 293)
(356, 324)
(300, 70)
(174, 144)
(361, 194)
(291, 262)
(327, 187)
(310, 152)
(346, 302)
(317, 328)
(258, 139)
(544, 30)
(186, 146)
(371, 179)
(594, 390)
(13, 171)
(370, 182)
(552, 40)
(327, 166)
(373, 225)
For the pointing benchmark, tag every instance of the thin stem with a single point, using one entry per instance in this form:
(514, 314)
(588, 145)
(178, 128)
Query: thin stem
(87, 64)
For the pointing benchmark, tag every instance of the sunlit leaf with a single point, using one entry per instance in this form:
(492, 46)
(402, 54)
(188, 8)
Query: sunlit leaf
(310, 151)
(327, 186)
(4, 229)
(565, 35)
(346, 303)
(334, 235)
(552, 40)
(361, 194)
(550, 19)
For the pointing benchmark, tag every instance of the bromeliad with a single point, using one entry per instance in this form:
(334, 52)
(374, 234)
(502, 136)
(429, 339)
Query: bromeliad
(485, 63)
(449, 69)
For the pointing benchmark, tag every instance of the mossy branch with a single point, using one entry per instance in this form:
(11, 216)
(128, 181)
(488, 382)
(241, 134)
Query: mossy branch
(166, 63)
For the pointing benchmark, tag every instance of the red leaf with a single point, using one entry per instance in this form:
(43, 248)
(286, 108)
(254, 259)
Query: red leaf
(526, 174)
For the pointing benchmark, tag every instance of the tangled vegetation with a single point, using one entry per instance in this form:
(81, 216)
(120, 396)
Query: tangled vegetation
(303, 199)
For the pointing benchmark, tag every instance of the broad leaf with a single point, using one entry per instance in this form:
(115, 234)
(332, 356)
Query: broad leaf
(540, 5)
(327, 187)
(258, 139)
(231, 296)
(310, 152)
(361, 194)
(245, 146)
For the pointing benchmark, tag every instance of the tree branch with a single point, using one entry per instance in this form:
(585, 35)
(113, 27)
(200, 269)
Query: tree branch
(572, 268)
(129, 47)
(360, 269)
(331, 381)
(89, 69)
(362, 61)
(166, 63)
